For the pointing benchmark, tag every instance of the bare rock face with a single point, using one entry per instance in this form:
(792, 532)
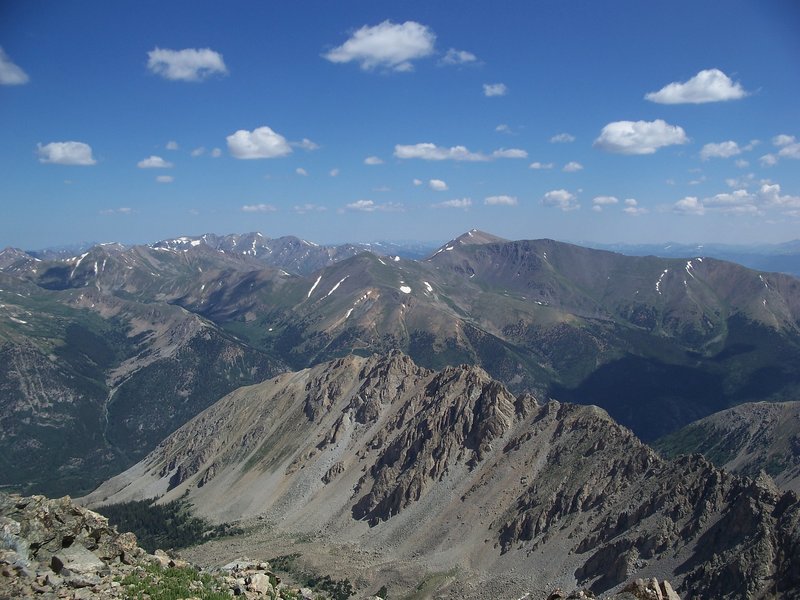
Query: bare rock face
(451, 468)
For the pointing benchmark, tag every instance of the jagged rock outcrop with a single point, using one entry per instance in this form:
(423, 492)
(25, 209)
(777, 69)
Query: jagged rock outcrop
(451, 469)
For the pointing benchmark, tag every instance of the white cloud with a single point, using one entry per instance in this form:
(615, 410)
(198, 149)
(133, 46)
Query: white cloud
(259, 208)
(370, 206)
(428, 151)
(770, 194)
(216, 153)
(11, 74)
(562, 138)
(572, 167)
(538, 166)
(501, 200)
(66, 153)
(333, 172)
(632, 208)
(562, 199)
(306, 144)
(307, 208)
(639, 137)
(190, 64)
(199, 151)
(783, 140)
(790, 151)
(388, 45)
(373, 160)
(494, 89)
(600, 202)
(417, 182)
(742, 163)
(768, 160)
(154, 162)
(510, 153)
(172, 145)
(165, 179)
(437, 185)
(464, 203)
(690, 205)
(301, 171)
(503, 128)
(458, 57)
(710, 85)
(262, 142)
(720, 150)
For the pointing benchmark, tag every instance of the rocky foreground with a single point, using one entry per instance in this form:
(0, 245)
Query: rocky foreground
(55, 549)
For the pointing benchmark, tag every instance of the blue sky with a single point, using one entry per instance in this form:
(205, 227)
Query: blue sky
(622, 121)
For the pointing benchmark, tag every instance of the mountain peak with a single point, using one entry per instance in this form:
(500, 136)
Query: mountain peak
(473, 237)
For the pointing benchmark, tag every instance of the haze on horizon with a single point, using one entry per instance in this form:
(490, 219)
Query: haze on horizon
(635, 123)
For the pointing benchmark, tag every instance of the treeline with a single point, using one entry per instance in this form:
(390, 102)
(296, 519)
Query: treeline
(166, 526)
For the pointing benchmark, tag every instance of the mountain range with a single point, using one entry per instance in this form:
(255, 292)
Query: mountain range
(398, 475)
(106, 353)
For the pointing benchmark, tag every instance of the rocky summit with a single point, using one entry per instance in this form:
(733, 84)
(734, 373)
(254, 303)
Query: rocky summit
(453, 480)
(56, 549)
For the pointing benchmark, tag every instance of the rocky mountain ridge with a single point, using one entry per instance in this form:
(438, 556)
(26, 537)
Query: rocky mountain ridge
(445, 469)
(746, 439)
(115, 334)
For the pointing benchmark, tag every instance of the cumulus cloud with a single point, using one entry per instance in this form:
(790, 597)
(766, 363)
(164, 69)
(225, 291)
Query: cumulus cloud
(333, 172)
(165, 179)
(572, 167)
(199, 151)
(710, 85)
(689, 205)
(562, 138)
(216, 153)
(437, 185)
(371, 206)
(458, 57)
(258, 208)
(301, 171)
(262, 142)
(741, 202)
(11, 74)
(373, 160)
(494, 89)
(599, 202)
(639, 137)
(562, 199)
(306, 144)
(504, 128)
(720, 150)
(66, 153)
(428, 151)
(464, 203)
(388, 45)
(742, 163)
(154, 162)
(417, 181)
(510, 153)
(788, 146)
(500, 200)
(190, 64)
(539, 166)
(172, 145)
(632, 208)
